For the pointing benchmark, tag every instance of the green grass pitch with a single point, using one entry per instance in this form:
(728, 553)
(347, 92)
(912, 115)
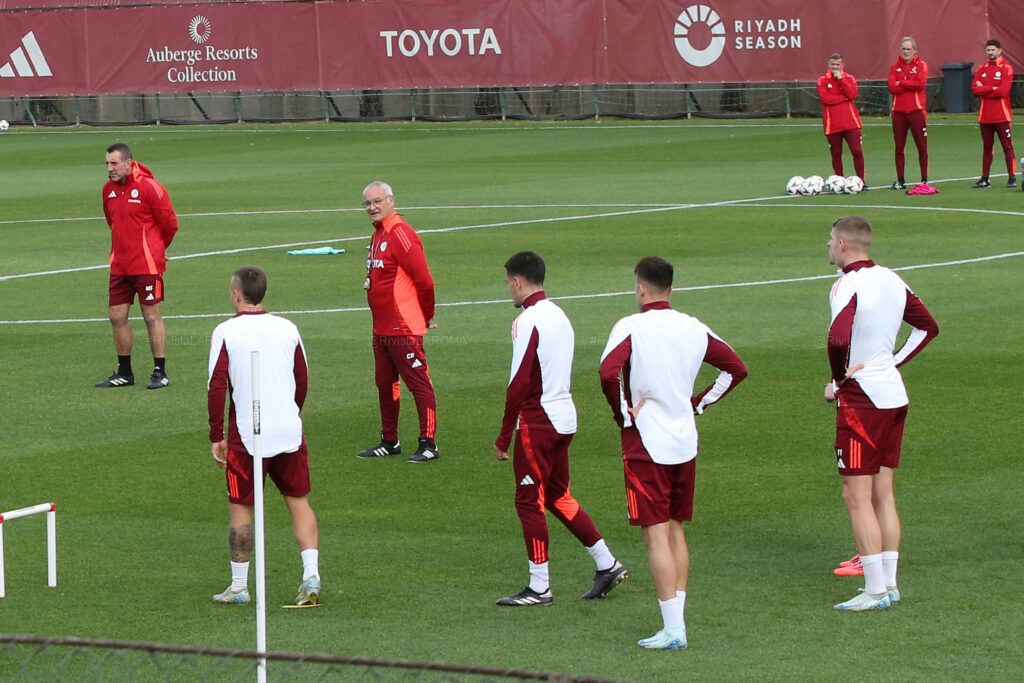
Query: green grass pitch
(413, 557)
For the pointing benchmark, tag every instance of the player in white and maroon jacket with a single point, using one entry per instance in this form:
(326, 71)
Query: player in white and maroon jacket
(869, 303)
(283, 383)
(648, 369)
(540, 411)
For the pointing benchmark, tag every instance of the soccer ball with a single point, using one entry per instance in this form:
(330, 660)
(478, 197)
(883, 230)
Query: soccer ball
(836, 184)
(4, 125)
(853, 185)
(813, 185)
(795, 184)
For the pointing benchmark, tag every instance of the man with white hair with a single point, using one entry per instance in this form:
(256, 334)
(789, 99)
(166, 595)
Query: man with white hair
(400, 291)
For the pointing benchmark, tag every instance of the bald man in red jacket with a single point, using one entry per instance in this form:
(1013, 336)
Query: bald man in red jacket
(837, 90)
(907, 80)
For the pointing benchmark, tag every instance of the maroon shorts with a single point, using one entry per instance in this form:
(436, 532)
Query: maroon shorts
(289, 471)
(123, 289)
(868, 438)
(657, 493)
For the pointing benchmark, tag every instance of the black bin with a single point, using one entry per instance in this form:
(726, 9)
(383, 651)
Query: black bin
(956, 81)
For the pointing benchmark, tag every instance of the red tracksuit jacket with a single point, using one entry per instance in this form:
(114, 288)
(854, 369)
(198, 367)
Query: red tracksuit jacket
(838, 110)
(992, 83)
(907, 84)
(142, 223)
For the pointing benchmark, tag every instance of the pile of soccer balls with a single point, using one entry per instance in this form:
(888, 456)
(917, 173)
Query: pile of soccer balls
(815, 184)
(4, 125)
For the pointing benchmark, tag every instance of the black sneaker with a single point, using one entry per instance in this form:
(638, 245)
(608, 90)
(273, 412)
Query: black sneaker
(526, 598)
(382, 449)
(606, 580)
(1011, 184)
(116, 380)
(158, 380)
(898, 185)
(426, 452)
(981, 184)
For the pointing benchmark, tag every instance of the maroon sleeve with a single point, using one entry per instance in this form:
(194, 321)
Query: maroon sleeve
(301, 372)
(840, 334)
(163, 211)
(217, 394)
(721, 355)
(917, 315)
(516, 393)
(413, 260)
(615, 365)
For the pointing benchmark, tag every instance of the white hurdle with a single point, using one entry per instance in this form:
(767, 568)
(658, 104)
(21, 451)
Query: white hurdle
(51, 539)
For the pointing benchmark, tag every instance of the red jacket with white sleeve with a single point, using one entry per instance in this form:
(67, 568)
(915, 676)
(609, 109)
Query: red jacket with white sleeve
(992, 83)
(142, 223)
(869, 303)
(654, 356)
(838, 110)
(907, 83)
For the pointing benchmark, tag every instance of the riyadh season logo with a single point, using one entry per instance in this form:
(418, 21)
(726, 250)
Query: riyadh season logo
(700, 34)
(199, 29)
(685, 23)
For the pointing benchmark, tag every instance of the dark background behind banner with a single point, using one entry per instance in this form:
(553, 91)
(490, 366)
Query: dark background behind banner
(291, 46)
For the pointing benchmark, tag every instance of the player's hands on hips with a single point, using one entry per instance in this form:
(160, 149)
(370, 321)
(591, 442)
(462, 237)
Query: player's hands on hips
(635, 410)
(830, 392)
(500, 454)
(219, 452)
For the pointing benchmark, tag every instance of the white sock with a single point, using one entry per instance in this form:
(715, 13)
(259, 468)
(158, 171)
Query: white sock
(890, 558)
(239, 575)
(539, 580)
(670, 613)
(681, 597)
(874, 577)
(310, 563)
(603, 557)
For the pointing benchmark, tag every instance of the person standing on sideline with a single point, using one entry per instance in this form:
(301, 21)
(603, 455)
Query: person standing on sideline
(907, 80)
(647, 373)
(540, 410)
(283, 381)
(868, 304)
(992, 83)
(837, 91)
(400, 291)
(142, 224)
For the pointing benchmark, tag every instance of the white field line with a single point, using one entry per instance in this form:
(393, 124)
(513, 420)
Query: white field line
(648, 208)
(458, 228)
(597, 295)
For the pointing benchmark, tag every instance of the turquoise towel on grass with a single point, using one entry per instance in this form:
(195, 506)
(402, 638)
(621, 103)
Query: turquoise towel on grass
(316, 252)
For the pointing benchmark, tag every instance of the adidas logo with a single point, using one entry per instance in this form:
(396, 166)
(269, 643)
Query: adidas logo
(21, 63)
(527, 481)
(416, 363)
(111, 195)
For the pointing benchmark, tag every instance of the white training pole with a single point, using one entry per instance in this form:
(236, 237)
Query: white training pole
(51, 540)
(51, 547)
(2, 587)
(257, 489)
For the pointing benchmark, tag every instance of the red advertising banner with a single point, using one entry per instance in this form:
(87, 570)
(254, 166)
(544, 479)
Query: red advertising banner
(43, 53)
(392, 44)
(692, 41)
(224, 47)
(459, 43)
